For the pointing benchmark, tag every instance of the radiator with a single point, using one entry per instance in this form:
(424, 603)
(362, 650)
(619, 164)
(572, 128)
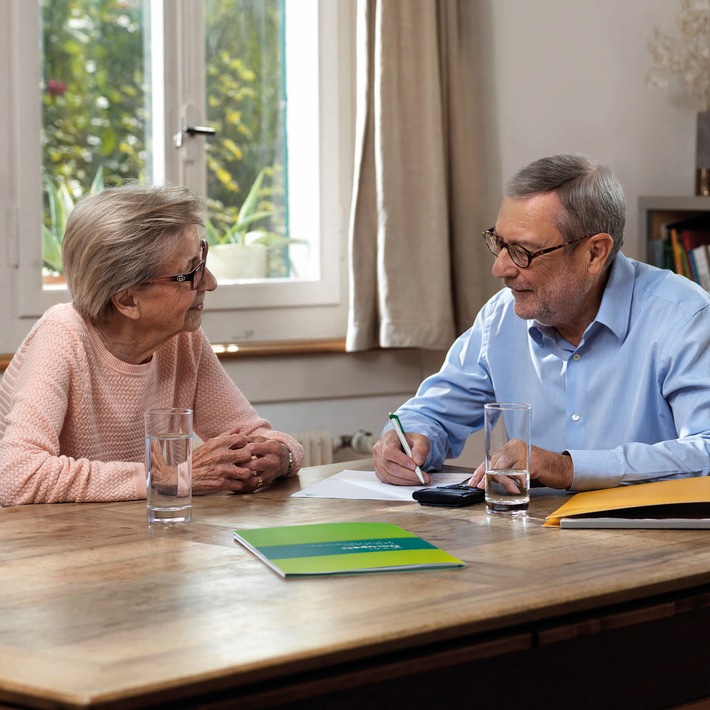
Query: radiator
(321, 447)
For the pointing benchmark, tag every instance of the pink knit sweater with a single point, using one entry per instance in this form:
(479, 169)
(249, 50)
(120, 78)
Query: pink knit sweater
(71, 414)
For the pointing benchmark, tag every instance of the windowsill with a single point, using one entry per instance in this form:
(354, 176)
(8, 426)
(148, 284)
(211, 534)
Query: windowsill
(286, 347)
(227, 351)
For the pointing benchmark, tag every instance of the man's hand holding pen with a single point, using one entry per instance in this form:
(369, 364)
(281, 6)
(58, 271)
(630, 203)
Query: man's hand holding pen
(391, 463)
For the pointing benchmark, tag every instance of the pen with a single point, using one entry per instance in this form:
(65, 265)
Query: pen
(399, 430)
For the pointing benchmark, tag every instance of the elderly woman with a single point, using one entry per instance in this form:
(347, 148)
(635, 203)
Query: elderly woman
(73, 397)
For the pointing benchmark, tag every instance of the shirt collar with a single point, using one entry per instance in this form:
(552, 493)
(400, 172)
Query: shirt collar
(615, 309)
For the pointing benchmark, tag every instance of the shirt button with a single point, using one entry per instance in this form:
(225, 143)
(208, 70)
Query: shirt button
(576, 356)
(575, 417)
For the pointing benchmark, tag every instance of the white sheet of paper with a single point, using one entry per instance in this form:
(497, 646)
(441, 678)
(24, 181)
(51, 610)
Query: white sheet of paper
(364, 485)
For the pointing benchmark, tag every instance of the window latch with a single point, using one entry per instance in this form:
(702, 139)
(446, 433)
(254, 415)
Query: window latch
(192, 131)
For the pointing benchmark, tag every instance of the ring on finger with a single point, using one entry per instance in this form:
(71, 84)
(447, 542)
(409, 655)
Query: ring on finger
(259, 481)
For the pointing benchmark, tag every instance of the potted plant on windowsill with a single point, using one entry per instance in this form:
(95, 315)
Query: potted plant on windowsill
(241, 251)
(60, 203)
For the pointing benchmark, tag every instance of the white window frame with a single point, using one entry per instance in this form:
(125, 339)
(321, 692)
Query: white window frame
(257, 312)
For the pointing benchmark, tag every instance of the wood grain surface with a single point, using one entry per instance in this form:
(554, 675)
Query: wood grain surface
(98, 609)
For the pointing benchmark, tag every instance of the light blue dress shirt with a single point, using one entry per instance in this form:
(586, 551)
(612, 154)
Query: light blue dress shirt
(630, 403)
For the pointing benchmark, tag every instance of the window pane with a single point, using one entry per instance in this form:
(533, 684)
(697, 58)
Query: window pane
(94, 105)
(247, 160)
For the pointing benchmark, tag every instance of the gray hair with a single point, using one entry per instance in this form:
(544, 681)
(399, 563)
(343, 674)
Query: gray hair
(120, 237)
(591, 197)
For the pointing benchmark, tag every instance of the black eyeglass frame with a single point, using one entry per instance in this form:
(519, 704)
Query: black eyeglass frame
(190, 276)
(494, 241)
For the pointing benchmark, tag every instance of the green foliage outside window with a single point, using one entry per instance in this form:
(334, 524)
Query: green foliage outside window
(244, 87)
(60, 203)
(93, 94)
(95, 108)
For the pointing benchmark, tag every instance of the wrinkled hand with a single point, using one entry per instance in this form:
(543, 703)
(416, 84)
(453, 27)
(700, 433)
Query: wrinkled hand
(237, 463)
(392, 465)
(163, 478)
(269, 459)
(546, 467)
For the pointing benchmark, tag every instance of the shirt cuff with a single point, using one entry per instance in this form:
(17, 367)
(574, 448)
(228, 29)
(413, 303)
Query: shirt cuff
(594, 470)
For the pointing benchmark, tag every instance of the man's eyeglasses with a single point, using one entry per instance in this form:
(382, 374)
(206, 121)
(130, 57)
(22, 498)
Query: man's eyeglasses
(194, 277)
(520, 255)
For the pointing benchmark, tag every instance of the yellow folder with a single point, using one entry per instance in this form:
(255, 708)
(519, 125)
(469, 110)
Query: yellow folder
(655, 496)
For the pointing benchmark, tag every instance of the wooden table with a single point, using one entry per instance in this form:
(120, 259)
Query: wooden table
(99, 610)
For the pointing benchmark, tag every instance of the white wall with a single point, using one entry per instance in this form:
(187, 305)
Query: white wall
(569, 76)
(340, 393)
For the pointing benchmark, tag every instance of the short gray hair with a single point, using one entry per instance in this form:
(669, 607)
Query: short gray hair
(592, 198)
(120, 237)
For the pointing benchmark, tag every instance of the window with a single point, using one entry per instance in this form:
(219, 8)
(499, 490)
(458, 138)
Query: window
(106, 116)
(94, 108)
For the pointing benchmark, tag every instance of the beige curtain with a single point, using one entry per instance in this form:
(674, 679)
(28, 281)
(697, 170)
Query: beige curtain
(416, 218)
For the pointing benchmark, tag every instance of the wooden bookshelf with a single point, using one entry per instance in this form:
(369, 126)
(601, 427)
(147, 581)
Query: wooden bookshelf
(655, 212)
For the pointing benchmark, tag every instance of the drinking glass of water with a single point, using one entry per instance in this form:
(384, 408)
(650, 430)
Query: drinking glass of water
(507, 429)
(168, 464)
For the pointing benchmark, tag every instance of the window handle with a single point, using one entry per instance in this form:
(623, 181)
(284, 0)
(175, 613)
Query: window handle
(193, 131)
(201, 130)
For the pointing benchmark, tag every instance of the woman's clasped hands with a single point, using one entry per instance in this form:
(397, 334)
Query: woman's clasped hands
(238, 463)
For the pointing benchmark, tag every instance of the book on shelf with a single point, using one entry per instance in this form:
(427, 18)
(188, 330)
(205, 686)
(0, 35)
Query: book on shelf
(701, 257)
(342, 548)
(689, 240)
(680, 256)
(659, 253)
(679, 503)
(662, 249)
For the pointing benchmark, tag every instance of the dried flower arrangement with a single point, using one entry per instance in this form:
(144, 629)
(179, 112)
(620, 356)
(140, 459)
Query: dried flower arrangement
(687, 55)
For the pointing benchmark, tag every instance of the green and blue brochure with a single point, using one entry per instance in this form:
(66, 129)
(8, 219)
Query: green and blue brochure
(342, 548)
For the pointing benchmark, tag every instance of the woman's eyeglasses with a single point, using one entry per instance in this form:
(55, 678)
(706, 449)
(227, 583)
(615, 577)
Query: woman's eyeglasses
(520, 255)
(194, 277)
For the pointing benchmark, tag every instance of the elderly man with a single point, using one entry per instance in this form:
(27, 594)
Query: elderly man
(612, 354)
